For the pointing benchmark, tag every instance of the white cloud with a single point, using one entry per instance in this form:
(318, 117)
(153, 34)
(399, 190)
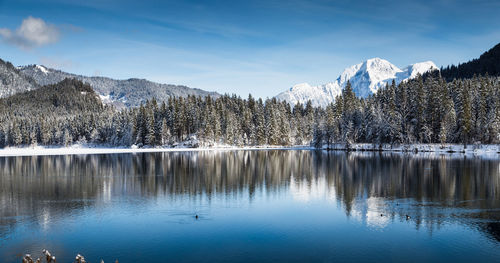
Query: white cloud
(33, 32)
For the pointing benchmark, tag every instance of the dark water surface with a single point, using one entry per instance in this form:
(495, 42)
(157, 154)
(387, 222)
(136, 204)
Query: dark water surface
(253, 206)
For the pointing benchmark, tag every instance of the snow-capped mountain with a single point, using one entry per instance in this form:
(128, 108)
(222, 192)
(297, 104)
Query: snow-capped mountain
(129, 92)
(366, 78)
(418, 68)
(319, 95)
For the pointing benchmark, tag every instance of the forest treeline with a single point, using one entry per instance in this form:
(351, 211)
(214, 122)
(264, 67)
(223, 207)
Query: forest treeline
(487, 64)
(423, 110)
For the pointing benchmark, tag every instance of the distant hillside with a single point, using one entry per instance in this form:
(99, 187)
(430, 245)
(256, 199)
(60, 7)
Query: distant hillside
(58, 114)
(67, 97)
(488, 62)
(12, 81)
(130, 92)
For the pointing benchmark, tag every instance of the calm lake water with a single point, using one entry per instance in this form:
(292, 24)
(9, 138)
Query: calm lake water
(253, 206)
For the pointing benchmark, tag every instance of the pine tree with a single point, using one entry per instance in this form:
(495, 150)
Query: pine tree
(465, 114)
(17, 138)
(448, 121)
(308, 122)
(260, 123)
(165, 133)
(2, 137)
(217, 127)
(33, 137)
(330, 131)
(95, 136)
(139, 128)
(150, 130)
(67, 139)
(318, 136)
(230, 129)
(44, 132)
(421, 130)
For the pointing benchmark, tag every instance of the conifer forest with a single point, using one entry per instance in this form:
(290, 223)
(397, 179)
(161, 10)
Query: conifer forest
(427, 109)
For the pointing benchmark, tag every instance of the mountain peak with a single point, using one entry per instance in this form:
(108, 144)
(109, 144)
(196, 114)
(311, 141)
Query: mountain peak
(303, 92)
(300, 86)
(376, 65)
(367, 77)
(420, 68)
(373, 62)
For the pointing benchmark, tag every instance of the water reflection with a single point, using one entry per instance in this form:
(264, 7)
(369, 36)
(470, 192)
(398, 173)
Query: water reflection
(372, 188)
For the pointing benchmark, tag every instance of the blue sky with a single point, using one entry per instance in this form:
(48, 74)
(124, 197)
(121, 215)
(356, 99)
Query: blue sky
(259, 47)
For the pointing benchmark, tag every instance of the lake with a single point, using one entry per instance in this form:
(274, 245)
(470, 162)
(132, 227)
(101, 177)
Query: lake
(252, 206)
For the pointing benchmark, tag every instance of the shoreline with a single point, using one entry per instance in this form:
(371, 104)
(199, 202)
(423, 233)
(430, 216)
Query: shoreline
(476, 149)
(90, 149)
(485, 149)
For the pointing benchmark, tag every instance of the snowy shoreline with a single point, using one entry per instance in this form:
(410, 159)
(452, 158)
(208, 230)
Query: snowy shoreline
(79, 149)
(476, 149)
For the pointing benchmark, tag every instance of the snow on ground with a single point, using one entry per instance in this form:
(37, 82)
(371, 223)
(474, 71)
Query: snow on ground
(476, 149)
(492, 150)
(106, 99)
(79, 149)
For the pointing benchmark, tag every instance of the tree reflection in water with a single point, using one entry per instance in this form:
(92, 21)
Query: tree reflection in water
(372, 187)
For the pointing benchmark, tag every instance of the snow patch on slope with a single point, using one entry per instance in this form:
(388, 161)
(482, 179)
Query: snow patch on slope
(42, 69)
(106, 99)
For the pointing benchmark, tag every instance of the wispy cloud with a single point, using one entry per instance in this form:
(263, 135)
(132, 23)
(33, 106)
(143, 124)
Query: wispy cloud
(33, 32)
(57, 63)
